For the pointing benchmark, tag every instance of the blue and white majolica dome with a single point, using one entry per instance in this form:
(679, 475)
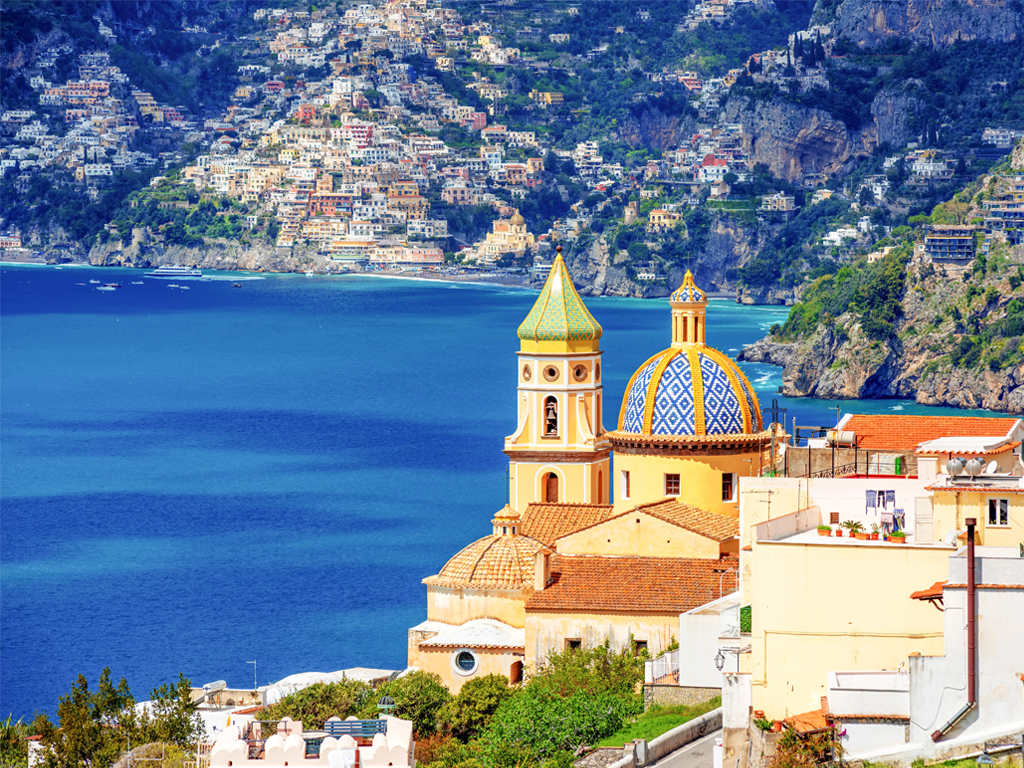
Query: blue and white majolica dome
(689, 389)
(694, 390)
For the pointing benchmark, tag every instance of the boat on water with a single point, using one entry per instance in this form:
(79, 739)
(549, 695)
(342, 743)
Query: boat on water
(137, 282)
(94, 282)
(107, 287)
(174, 271)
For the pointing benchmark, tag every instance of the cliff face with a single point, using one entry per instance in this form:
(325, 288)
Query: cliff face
(794, 140)
(599, 270)
(223, 255)
(933, 23)
(654, 129)
(840, 361)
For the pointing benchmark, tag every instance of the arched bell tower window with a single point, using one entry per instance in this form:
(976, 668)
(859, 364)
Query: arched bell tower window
(551, 416)
(551, 488)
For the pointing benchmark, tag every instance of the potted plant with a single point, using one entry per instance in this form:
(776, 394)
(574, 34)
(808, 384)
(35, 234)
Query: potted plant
(854, 528)
(874, 531)
(898, 537)
(824, 530)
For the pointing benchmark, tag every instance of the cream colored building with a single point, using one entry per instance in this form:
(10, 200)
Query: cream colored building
(508, 236)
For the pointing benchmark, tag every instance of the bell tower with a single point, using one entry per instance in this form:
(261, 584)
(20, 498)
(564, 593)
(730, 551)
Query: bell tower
(559, 452)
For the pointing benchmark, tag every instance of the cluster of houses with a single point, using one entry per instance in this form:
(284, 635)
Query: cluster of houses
(100, 124)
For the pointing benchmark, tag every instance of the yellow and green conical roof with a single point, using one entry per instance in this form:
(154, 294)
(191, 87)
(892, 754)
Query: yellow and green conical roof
(559, 320)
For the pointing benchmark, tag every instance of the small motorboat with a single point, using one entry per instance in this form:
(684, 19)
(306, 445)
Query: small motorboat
(184, 288)
(94, 282)
(137, 282)
(237, 285)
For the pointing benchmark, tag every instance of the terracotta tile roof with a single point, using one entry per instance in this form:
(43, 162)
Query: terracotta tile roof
(934, 591)
(630, 584)
(711, 525)
(808, 722)
(547, 522)
(503, 562)
(701, 521)
(905, 433)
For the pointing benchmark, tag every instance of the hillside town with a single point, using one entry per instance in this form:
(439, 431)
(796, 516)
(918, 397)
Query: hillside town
(340, 141)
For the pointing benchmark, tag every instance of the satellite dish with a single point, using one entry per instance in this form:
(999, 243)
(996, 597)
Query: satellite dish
(951, 537)
(954, 467)
(974, 467)
(991, 468)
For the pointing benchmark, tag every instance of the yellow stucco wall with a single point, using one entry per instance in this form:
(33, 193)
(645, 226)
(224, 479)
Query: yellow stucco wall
(457, 606)
(952, 509)
(818, 608)
(637, 534)
(490, 661)
(577, 483)
(580, 401)
(700, 479)
(547, 631)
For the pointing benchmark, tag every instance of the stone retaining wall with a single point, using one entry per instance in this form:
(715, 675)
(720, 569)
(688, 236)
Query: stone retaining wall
(678, 694)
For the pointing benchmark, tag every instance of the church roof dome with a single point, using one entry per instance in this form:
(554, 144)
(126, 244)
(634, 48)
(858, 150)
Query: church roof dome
(689, 390)
(559, 315)
(695, 390)
(500, 561)
(517, 219)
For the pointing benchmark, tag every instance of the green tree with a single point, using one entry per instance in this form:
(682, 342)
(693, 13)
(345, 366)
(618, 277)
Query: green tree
(95, 727)
(471, 711)
(312, 706)
(593, 670)
(418, 696)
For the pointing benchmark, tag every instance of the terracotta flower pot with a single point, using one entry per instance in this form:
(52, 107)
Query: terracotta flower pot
(759, 714)
(777, 726)
(862, 536)
(839, 533)
(874, 537)
(823, 532)
(898, 539)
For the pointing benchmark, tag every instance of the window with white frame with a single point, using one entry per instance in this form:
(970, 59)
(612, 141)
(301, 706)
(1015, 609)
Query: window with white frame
(624, 482)
(999, 512)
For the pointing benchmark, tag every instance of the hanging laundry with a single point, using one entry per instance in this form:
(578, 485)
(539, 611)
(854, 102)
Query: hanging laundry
(871, 496)
(890, 498)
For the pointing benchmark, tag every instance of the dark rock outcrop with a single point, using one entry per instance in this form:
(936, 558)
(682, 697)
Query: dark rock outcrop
(933, 23)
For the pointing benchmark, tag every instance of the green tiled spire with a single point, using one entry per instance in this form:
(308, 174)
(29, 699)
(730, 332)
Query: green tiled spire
(559, 315)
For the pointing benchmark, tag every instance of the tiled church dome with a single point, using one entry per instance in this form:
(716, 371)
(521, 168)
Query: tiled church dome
(690, 391)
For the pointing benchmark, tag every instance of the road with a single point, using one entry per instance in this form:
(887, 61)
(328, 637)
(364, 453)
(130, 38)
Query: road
(696, 754)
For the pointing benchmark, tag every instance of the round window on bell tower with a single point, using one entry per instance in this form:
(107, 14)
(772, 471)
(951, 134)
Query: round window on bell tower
(551, 373)
(579, 373)
(527, 373)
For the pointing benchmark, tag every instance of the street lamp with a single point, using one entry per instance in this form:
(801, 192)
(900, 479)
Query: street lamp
(386, 705)
(720, 660)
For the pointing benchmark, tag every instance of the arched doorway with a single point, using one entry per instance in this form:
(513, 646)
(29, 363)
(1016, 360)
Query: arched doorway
(515, 672)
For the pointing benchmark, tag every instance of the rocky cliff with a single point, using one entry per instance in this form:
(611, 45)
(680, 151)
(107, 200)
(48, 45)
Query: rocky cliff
(656, 130)
(794, 140)
(933, 23)
(216, 254)
(840, 361)
(599, 269)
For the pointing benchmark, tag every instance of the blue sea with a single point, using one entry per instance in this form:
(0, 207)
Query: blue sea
(262, 468)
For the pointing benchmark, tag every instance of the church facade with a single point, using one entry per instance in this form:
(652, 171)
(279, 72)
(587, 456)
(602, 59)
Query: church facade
(569, 564)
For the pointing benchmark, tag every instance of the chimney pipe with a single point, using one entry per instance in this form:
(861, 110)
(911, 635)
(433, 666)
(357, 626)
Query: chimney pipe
(972, 631)
(972, 627)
